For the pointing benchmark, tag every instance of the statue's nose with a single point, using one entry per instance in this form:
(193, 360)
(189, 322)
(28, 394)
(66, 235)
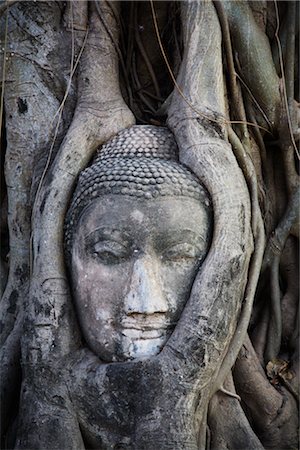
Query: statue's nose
(145, 295)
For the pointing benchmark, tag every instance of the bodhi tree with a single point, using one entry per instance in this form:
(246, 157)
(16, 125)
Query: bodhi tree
(157, 306)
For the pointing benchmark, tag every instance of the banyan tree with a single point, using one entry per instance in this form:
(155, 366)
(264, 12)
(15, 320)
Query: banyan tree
(114, 112)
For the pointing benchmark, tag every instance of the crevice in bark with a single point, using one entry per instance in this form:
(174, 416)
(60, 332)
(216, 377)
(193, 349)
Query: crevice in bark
(56, 115)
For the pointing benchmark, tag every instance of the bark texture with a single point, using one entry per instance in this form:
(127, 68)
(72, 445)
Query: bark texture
(222, 76)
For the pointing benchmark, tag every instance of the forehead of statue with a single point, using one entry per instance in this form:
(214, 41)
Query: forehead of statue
(143, 220)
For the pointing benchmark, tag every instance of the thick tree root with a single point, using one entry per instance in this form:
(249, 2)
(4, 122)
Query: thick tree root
(100, 113)
(236, 433)
(273, 413)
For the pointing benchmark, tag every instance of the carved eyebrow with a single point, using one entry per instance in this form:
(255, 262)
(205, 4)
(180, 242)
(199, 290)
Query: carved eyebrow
(172, 237)
(107, 234)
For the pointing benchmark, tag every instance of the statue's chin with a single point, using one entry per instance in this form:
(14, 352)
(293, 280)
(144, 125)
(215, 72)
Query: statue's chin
(128, 344)
(144, 348)
(137, 345)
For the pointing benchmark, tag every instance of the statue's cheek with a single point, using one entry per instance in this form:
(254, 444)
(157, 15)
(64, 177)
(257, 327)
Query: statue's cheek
(177, 281)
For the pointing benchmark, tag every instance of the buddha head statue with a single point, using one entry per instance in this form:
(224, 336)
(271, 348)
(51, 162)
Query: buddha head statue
(137, 231)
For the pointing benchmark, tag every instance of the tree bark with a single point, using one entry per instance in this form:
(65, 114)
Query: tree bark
(215, 74)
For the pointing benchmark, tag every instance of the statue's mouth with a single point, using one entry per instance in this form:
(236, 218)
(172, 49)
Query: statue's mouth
(146, 327)
(136, 333)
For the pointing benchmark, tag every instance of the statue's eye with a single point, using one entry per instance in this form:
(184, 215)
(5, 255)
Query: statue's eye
(181, 252)
(109, 252)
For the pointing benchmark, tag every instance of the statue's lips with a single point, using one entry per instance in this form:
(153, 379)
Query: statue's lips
(143, 335)
(144, 331)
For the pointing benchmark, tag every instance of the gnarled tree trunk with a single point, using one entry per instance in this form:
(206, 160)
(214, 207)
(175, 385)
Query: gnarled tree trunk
(222, 76)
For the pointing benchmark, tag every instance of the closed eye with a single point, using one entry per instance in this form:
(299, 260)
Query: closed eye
(181, 252)
(109, 252)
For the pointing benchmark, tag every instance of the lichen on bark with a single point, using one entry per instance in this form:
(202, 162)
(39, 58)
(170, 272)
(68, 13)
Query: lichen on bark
(221, 75)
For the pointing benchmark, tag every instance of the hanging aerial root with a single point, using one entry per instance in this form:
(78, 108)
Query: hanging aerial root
(10, 374)
(286, 128)
(290, 60)
(145, 57)
(237, 101)
(229, 393)
(271, 262)
(76, 15)
(289, 265)
(6, 4)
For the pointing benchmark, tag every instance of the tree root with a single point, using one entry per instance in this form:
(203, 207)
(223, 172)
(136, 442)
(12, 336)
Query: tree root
(10, 376)
(6, 4)
(236, 433)
(255, 263)
(66, 388)
(204, 149)
(26, 112)
(289, 265)
(76, 15)
(100, 113)
(237, 101)
(272, 413)
(230, 394)
(257, 64)
(271, 261)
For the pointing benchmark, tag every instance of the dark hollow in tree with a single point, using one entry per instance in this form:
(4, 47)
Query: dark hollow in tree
(222, 76)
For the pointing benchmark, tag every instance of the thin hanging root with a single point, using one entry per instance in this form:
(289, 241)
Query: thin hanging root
(3, 74)
(273, 341)
(139, 89)
(286, 100)
(145, 56)
(290, 58)
(257, 135)
(289, 269)
(272, 257)
(230, 394)
(76, 15)
(221, 119)
(149, 94)
(236, 97)
(278, 238)
(6, 4)
(113, 39)
(250, 177)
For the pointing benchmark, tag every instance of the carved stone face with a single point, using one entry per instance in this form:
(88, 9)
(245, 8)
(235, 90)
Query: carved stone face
(133, 264)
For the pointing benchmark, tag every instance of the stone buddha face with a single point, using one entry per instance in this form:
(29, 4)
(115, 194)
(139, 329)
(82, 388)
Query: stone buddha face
(133, 263)
(137, 231)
